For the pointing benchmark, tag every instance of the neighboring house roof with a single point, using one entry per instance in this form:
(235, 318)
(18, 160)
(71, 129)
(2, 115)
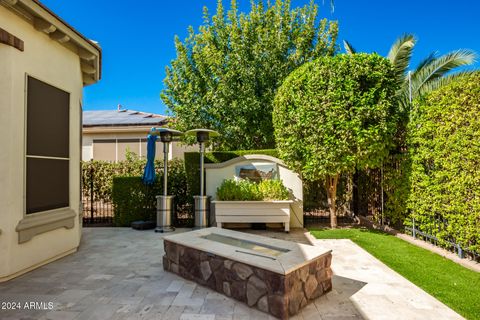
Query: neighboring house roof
(123, 117)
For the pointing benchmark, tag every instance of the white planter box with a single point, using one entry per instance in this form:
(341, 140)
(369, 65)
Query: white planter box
(253, 212)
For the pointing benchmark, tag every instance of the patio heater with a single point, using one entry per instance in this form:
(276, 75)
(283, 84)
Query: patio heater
(165, 202)
(202, 202)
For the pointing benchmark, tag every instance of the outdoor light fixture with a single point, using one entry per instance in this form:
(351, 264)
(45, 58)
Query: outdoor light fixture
(202, 201)
(165, 202)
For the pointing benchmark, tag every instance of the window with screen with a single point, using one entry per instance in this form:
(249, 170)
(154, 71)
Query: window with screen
(47, 164)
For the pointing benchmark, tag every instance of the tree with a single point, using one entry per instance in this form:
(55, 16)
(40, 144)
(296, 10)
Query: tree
(225, 76)
(431, 73)
(334, 115)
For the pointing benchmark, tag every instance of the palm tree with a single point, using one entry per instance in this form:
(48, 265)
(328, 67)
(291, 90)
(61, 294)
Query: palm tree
(431, 73)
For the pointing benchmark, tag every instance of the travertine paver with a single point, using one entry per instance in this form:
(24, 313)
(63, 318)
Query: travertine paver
(117, 274)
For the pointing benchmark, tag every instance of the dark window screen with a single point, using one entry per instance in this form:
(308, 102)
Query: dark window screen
(47, 179)
(47, 184)
(47, 120)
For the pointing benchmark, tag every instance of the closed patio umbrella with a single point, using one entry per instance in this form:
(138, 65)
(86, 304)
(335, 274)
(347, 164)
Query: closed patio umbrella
(149, 171)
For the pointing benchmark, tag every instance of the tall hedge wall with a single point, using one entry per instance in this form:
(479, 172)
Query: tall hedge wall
(444, 140)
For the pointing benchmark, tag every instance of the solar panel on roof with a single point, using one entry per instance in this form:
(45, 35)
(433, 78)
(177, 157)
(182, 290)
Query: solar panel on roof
(120, 117)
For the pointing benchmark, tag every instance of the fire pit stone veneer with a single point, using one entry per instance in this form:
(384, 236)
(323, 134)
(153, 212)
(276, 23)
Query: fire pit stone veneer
(275, 276)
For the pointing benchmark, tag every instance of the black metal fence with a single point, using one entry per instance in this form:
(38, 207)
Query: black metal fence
(97, 211)
(357, 194)
(426, 233)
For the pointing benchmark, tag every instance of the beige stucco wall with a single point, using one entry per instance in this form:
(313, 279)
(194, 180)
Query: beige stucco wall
(48, 61)
(215, 174)
(177, 149)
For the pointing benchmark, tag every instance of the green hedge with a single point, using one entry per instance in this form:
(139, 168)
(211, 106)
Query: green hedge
(444, 144)
(135, 201)
(97, 175)
(192, 164)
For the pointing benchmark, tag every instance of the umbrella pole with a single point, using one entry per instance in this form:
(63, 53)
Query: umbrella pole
(165, 167)
(202, 169)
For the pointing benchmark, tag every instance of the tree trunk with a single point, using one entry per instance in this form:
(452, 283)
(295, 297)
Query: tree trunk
(331, 185)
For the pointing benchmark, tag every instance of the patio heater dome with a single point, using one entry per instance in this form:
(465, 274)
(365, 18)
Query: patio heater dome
(203, 135)
(166, 134)
(165, 202)
(202, 201)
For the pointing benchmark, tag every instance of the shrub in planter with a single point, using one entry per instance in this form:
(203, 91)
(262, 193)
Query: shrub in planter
(245, 190)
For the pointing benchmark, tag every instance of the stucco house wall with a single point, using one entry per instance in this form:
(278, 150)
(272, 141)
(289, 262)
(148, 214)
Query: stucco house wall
(28, 241)
(108, 133)
(176, 150)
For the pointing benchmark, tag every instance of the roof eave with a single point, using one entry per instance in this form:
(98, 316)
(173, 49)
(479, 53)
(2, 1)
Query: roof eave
(46, 21)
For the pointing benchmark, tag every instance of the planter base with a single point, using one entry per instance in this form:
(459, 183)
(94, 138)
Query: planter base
(253, 212)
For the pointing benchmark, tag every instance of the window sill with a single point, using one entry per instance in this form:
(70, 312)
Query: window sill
(39, 223)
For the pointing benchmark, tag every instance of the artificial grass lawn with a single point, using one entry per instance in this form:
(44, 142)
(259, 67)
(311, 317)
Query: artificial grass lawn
(454, 285)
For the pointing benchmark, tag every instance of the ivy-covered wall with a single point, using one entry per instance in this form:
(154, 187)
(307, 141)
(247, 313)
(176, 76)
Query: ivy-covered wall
(444, 144)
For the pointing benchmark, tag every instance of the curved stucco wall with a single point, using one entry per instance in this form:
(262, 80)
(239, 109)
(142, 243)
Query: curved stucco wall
(216, 173)
(48, 61)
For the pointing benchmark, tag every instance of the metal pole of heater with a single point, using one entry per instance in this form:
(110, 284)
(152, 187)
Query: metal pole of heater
(165, 167)
(165, 202)
(202, 169)
(202, 202)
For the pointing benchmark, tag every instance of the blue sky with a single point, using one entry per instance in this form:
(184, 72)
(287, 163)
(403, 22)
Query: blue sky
(137, 37)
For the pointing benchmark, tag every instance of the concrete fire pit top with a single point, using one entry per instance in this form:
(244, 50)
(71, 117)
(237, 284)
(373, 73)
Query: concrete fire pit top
(276, 255)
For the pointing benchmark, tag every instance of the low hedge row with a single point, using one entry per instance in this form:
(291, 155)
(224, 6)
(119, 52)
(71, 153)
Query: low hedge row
(135, 201)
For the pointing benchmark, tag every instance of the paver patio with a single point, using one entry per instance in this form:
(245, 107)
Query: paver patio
(117, 274)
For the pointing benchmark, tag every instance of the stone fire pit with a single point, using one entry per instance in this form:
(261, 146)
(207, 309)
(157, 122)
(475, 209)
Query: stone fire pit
(275, 276)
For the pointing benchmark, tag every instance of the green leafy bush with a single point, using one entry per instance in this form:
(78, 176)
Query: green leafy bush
(273, 190)
(245, 190)
(97, 176)
(241, 190)
(335, 115)
(444, 142)
(396, 187)
(135, 201)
